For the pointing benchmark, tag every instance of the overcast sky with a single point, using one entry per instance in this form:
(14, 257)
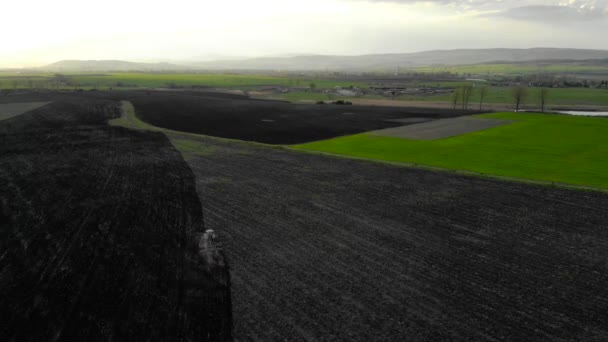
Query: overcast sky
(36, 32)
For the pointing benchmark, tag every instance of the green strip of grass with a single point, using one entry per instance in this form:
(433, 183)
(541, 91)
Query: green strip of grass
(128, 119)
(515, 69)
(502, 95)
(130, 80)
(552, 148)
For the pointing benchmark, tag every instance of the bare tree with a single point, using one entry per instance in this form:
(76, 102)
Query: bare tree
(455, 98)
(544, 93)
(465, 93)
(519, 93)
(483, 91)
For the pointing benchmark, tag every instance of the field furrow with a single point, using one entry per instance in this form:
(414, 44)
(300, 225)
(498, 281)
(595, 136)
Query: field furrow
(97, 224)
(327, 248)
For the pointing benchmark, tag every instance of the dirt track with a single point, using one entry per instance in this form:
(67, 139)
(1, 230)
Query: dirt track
(9, 110)
(440, 129)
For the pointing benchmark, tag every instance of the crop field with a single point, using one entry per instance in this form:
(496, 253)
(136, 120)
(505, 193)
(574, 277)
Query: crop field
(8, 110)
(332, 249)
(545, 147)
(98, 225)
(159, 80)
(237, 117)
(126, 81)
(325, 248)
(557, 97)
(440, 129)
(521, 68)
(320, 247)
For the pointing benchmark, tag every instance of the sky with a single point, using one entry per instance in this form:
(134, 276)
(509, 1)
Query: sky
(38, 32)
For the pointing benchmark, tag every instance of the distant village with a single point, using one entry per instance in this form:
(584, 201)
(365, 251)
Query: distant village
(354, 91)
(395, 89)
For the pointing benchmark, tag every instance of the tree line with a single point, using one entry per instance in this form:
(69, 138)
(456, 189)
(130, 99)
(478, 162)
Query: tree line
(461, 97)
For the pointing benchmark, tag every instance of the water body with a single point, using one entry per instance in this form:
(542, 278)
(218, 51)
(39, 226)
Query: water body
(583, 113)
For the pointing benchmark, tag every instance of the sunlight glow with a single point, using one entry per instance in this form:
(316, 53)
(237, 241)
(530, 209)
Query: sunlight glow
(40, 32)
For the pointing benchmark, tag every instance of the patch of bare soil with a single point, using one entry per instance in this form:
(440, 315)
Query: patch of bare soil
(9, 110)
(238, 117)
(334, 249)
(99, 229)
(440, 129)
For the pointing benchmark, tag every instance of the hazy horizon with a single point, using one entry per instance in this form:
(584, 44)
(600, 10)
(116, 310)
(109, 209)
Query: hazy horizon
(151, 31)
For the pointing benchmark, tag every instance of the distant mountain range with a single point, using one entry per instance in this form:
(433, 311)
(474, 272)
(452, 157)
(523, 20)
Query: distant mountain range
(346, 63)
(110, 65)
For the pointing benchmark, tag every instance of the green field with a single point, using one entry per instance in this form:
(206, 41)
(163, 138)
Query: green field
(495, 95)
(316, 96)
(149, 80)
(542, 147)
(556, 96)
(518, 68)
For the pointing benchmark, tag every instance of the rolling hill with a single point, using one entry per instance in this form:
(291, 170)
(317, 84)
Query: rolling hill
(109, 65)
(344, 63)
(404, 60)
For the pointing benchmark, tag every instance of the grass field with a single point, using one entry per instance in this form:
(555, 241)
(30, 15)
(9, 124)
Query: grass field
(542, 147)
(557, 96)
(130, 80)
(517, 68)
(502, 95)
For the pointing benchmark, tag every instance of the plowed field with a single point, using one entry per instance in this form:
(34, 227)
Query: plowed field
(321, 248)
(98, 228)
(332, 249)
(273, 122)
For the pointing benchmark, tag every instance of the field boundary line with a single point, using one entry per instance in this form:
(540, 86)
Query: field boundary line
(133, 122)
(130, 120)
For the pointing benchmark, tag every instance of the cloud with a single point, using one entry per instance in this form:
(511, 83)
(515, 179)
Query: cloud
(525, 10)
(550, 13)
(564, 12)
(431, 1)
(467, 3)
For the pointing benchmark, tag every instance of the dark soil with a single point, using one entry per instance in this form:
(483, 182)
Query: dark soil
(273, 122)
(98, 228)
(441, 129)
(332, 249)
(321, 248)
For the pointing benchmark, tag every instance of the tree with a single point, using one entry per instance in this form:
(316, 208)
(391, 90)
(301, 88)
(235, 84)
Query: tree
(483, 91)
(519, 93)
(544, 92)
(455, 98)
(60, 80)
(465, 93)
(312, 86)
